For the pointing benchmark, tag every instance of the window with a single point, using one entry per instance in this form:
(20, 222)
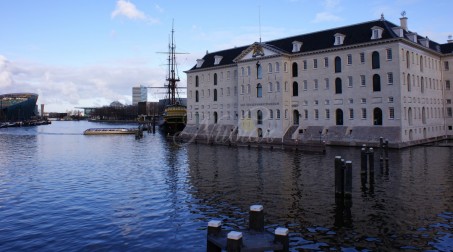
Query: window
(337, 64)
(285, 67)
(196, 96)
(350, 83)
(327, 83)
(376, 83)
(326, 62)
(375, 62)
(215, 78)
(316, 102)
(389, 54)
(228, 75)
(305, 85)
(228, 91)
(243, 114)
(278, 86)
(449, 112)
(363, 113)
(259, 71)
(259, 90)
(446, 66)
(295, 89)
(305, 64)
(269, 67)
(215, 94)
(362, 57)
(295, 74)
(363, 100)
(242, 71)
(327, 114)
(392, 113)
(338, 86)
(248, 71)
(249, 114)
(316, 114)
(447, 85)
(278, 113)
(271, 114)
(270, 87)
(349, 59)
(306, 114)
(390, 78)
(316, 85)
(259, 117)
(351, 101)
(286, 114)
(315, 63)
(408, 82)
(277, 67)
(351, 113)
(197, 80)
(448, 101)
(362, 80)
(377, 116)
(408, 63)
(390, 99)
(326, 102)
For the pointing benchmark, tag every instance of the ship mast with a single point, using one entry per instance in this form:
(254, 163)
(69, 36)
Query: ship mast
(172, 78)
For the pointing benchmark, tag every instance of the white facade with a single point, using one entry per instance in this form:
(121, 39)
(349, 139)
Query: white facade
(394, 87)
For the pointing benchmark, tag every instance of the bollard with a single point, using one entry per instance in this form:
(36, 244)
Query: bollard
(363, 161)
(386, 151)
(256, 218)
(214, 229)
(371, 160)
(348, 180)
(339, 177)
(234, 242)
(381, 148)
(281, 236)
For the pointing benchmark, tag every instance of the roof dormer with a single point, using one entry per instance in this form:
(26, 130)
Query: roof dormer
(200, 62)
(297, 45)
(339, 39)
(217, 59)
(399, 31)
(412, 37)
(424, 42)
(376, 32)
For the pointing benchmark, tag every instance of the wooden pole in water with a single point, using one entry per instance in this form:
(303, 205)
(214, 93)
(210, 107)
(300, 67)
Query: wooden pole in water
(256, 218)
(281, 236)
(348, 180)
(234, 242)
(339, 177)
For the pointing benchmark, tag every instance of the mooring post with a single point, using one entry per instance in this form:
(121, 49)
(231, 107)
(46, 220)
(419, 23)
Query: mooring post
(348, 180)
(339, 177)
(371, 160)
(281, 236)
(381, 149)
(256, 218)
(234, 241)
(214, 229)
(363, 161)
(386, 150)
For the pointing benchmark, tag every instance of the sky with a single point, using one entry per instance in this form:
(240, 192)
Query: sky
(89, 53)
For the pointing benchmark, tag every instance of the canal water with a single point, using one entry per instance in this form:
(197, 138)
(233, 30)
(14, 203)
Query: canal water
(63, 191)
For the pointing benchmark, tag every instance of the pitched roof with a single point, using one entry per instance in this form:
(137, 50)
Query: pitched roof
(321, 40)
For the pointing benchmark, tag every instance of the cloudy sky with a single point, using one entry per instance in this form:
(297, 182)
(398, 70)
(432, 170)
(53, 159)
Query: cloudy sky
(90, 53)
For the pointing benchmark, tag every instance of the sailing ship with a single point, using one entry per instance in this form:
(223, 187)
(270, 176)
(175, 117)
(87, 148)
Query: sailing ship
(175, 113)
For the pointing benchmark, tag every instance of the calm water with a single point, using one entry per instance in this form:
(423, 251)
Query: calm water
(63, 191)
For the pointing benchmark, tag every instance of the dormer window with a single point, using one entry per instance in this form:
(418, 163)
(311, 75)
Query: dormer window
(217, 59)
(339, 39)
(297, 45)
(376, 32)
(399, 31)
(425, 42)
(200, 62)
(412, 37)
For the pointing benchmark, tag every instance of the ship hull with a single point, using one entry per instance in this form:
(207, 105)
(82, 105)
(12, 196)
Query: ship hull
(174, 119)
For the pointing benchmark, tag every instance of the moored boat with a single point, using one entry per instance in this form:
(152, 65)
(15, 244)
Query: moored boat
(108, 131)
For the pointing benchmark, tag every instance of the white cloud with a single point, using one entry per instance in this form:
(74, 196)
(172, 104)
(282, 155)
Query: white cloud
(130, 11)
(325, 17)
(63, 88)
(158, 8)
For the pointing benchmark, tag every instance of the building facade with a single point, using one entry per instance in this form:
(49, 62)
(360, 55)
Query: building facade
(348, 85)
(139, 94)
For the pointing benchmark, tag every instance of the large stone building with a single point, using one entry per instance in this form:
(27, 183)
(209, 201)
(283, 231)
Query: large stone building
(348, 85)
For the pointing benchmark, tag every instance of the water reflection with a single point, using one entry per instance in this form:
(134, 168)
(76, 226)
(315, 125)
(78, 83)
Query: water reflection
(297, 191)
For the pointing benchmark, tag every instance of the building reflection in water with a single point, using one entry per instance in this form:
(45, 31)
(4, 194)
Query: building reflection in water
(388, 207)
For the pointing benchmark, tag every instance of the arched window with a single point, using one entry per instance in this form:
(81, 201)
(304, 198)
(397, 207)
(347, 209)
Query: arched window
(277, 67)
(215, 94)
(422, 85)
(295, 73)
(269, 66)
(248, 71)
(338, 86)
(295, 89)
(423, 115)
(259, 117)
(376, 83)
(259, 90)
(296, 116)
(408, 82)
(408, 63)
(377, 116)
(242, 71)
(409, 116)
(215, 78)
(421, 63)
(271, 87)
(197, 118)
(215, 117)
(260, 132)
(337, 64)
(196, 96)
(339, 117)
(375, 62)
(278, 113)
(197, 81)
(259, 71)
(271, 114)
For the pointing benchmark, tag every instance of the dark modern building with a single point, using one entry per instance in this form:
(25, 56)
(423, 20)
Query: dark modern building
(18, 106)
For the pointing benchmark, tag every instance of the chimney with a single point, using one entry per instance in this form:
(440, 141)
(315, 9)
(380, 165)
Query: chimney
(403, 23)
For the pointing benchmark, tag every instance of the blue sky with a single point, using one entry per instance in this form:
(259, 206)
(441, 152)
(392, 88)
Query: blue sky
(90, 53)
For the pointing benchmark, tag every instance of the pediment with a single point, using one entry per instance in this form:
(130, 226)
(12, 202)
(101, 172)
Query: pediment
(256, 51)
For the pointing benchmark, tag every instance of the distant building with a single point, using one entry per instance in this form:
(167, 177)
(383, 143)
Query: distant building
(139, 94)
(347, 85)
(18, 106)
